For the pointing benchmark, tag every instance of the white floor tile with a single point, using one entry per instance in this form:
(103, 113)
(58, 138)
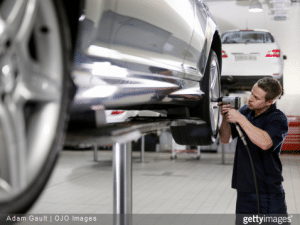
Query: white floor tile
(160, 185)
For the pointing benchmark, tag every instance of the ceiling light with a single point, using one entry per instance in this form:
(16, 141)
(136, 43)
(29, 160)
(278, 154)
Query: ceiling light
(255, 6)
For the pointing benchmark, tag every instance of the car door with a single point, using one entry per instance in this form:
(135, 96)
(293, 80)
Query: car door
(153, 36)
(129, 48)
(195, 60)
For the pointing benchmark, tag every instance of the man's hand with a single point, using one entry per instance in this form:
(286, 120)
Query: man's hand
(233, 116)
(229, 114)
(225, 130)
(224, 108)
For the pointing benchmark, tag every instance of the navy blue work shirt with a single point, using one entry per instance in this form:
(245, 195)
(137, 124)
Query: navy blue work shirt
(267, 163)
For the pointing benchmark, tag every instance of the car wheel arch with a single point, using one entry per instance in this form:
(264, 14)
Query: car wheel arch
(217, 47)
(213, 36)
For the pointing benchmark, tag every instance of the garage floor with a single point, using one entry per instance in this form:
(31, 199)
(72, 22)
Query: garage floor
(160, 185)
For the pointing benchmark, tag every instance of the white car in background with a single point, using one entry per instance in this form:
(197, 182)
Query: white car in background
(119, 116)
(249, 55)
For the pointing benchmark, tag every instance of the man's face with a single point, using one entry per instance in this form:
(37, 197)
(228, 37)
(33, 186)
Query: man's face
(257, 100)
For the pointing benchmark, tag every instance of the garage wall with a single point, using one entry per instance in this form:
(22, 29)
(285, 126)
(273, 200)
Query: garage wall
(235, 15)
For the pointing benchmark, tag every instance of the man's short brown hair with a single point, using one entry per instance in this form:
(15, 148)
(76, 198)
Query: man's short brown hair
(271, 86)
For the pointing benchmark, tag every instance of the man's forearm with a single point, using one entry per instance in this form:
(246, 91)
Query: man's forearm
(225, 132)
(258, 136)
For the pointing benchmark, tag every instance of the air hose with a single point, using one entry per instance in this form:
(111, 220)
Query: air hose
(252, 165)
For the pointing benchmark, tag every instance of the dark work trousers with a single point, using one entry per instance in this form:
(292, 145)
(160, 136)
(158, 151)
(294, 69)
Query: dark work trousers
(270, 204)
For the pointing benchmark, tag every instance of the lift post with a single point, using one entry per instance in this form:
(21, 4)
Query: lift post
(143, 149)
(122, 170)
(120, 136)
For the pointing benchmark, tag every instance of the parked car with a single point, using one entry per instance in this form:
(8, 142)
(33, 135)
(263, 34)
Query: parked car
(106, 54)
(249, 55)
(119, 116)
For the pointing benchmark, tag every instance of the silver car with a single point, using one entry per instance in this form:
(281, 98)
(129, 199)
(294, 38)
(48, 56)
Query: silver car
(161, 55)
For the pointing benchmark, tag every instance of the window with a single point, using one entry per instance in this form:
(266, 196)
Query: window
(242, 37)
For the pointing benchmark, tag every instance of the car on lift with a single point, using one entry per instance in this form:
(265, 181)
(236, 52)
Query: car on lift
(59, 57)
(249, 55)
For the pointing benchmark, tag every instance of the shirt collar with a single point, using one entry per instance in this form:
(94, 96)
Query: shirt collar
(271, 109)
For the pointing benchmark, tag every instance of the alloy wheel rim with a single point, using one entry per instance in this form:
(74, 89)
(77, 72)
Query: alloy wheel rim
(30, 89)
(214, 94)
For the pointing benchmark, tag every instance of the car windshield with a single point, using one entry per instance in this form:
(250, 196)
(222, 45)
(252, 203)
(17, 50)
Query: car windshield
(242, 37)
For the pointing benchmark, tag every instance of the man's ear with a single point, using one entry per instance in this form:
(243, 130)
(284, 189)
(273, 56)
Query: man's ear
(271, 102)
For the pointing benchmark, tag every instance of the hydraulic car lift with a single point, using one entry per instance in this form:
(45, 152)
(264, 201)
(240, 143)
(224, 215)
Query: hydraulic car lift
(120, 136)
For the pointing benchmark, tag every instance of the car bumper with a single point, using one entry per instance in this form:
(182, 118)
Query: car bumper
(241, 83)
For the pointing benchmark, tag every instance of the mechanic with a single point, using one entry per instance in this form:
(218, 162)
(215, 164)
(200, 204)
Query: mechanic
(265, 128)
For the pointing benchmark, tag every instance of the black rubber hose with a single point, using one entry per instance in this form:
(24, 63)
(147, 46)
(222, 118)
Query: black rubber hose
(252, 166)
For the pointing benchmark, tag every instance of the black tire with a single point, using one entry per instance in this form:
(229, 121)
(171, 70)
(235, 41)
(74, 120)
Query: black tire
(34, 121)
(193, 133)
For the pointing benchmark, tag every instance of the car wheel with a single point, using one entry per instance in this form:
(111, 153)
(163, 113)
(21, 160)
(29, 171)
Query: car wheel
(193, 133)
(35, 94)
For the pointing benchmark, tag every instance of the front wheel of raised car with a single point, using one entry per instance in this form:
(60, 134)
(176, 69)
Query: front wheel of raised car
(203, 133)
(35, 94)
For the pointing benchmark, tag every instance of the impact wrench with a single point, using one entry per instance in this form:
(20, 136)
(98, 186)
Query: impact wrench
(235, 103)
